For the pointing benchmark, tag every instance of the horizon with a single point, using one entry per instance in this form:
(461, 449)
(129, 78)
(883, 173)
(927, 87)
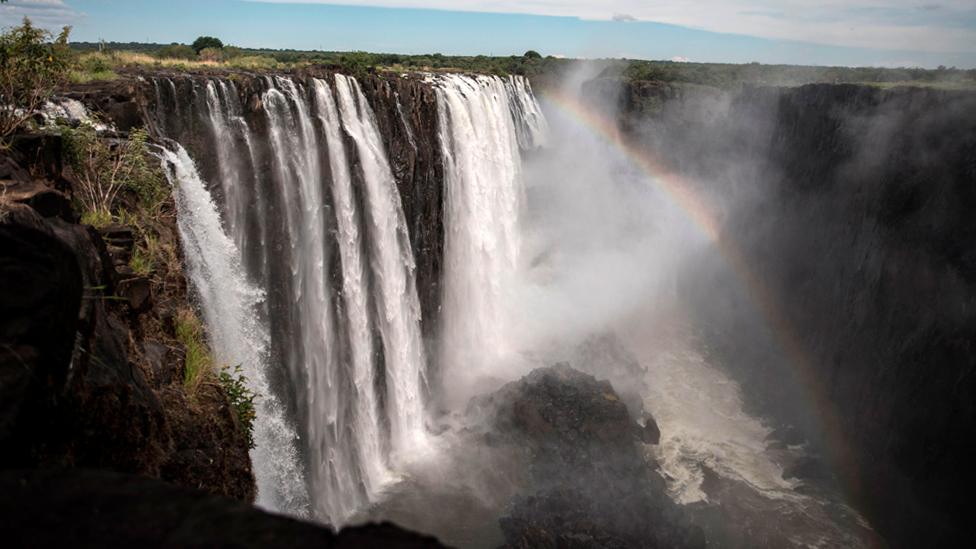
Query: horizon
(421, 27)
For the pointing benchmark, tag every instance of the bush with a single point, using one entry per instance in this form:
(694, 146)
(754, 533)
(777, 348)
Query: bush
(104, 168)
(31, 67)
(211, 54)
(176, 51)
(241, 398)
(205, 42)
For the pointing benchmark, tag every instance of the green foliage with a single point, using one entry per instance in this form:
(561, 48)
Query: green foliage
(211, 54)
(106, 167)
(144, 255)
(533, 64)
(241, 398)
(31, 66)
(176, 51)
(205, 42)
(198, 361)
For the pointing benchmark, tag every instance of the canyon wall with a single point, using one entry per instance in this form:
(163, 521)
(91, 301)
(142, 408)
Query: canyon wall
(851, 207)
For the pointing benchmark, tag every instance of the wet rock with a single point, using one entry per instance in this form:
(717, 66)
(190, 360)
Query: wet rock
(650, 433)
(86, 508)
(590, 485)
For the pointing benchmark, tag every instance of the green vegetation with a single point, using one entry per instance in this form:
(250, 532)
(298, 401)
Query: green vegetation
(32, 65)
(241, 398)
(728, 76)
(531, 64)
(198, 361)
(200, 367)
(206, 42)
(105, 168)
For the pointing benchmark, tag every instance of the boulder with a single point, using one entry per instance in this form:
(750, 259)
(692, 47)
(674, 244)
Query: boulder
(590, 486)
(87, 508)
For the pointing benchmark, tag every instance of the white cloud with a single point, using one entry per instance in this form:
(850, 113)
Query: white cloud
(49, 14)
(680, 59)
(882, 24)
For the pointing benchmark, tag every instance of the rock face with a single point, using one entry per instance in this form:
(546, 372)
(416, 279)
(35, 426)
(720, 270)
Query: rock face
(85, 508)
(590, 486)
(89, 370)
(851, 205)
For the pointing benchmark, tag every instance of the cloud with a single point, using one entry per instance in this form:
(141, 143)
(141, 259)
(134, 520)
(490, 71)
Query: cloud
(623, 17)
(680, 59)
(898, 25)
(49, 14)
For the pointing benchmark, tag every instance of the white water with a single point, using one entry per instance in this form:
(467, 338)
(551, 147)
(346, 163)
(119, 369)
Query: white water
(365, 423)
(483, 200)
(342, 321)
(398, 308)
(229, 306)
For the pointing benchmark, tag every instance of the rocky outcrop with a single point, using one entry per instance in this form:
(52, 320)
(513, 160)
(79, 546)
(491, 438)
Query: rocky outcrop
(91, 373)
(86, 508)
(589, 484)
(851, 207)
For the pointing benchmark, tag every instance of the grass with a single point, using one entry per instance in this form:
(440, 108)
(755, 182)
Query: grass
(97, 218)
(142, 262)
(78, 76)
(199, 361)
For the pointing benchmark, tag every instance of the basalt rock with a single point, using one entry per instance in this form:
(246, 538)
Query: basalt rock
(851, 206)
(590, 485)
(85, 508)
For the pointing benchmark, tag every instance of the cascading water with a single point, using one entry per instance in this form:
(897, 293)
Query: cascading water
(229, 304)
(323, 232)
(398, 308)
(483, 123)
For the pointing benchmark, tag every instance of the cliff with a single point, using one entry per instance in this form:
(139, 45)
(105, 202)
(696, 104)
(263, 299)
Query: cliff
(851, 207)
(93, 374)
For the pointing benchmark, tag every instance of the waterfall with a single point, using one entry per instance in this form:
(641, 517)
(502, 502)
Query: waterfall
(398, 308)
(309, 197)
(229, 304)
(483, 123)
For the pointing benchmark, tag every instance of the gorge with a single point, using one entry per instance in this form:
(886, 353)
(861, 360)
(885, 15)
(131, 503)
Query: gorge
(582, 309)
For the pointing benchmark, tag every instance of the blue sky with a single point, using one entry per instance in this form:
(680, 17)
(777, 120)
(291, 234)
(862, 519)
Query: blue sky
(824, 32)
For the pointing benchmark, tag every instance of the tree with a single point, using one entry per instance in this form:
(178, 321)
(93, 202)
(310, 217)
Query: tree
(532, 54)
(205, 42)
(31, 67)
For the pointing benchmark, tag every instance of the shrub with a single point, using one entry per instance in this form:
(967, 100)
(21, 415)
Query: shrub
(31, 66)
(241, 398)
(105, 167)
(177, 51)
(205, 42)
(211, 54)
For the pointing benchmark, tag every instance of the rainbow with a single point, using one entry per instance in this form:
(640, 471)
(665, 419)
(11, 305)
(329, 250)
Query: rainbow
(683, 193)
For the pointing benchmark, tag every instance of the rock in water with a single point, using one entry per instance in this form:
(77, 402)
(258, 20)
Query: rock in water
(590, 486)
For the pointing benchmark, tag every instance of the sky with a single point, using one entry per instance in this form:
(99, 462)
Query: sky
(924, 33)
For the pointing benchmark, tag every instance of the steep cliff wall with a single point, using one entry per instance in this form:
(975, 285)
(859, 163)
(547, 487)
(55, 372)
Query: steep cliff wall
(852, 207)
(92, 372)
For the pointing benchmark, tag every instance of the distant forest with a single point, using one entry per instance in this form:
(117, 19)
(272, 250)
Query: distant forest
(533, 64)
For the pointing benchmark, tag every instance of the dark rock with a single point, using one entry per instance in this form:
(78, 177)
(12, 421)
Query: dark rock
(39, 195)
(163, 363)
(87, 508)
(138, 293)
(40, 293)
(590, 486)
(650, 433)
